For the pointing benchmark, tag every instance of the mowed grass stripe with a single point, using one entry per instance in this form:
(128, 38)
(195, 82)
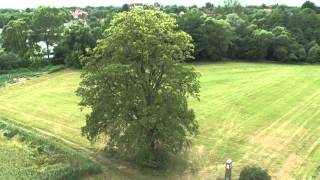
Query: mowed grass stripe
(265, 114)
(243, 113)
(47, 103)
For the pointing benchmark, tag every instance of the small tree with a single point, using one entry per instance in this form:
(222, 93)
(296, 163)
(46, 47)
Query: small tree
(258, 44)
(209, 5)
(136, 85)
(77, 38)
(314, 54)
(285, 47)
(215, 38)
(254, 173)
(310, 5)
(190, 22)
(125, 7)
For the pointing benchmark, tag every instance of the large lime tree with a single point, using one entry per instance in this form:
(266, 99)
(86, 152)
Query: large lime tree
(137, 85)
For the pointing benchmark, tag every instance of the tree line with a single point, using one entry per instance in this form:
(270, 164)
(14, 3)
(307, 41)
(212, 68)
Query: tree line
(48, 35)
(277, 33)
(231, 31)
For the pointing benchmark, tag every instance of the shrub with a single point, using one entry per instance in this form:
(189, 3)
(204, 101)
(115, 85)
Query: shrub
(60, 52)
(10, 61)
(37, 61)
(72, 59)
(254, 173)
(314, 54)
(9, 134)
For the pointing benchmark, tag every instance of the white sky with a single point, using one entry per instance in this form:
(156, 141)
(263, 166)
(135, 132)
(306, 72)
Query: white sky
(22, 4)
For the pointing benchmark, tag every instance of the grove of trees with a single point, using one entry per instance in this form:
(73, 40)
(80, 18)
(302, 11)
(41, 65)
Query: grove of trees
(277, 33)
(233, 32)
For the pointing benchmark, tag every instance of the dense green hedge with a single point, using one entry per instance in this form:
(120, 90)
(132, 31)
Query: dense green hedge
(11, 61)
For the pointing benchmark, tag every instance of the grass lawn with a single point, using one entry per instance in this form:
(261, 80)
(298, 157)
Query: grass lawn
(253, 113)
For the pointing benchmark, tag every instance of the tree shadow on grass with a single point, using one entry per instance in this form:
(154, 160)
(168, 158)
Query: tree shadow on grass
(176, 167)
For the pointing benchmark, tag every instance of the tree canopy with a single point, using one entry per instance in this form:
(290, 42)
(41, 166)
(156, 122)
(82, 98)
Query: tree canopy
(47, 22)
(136, 85)
(15, 36)
(77, 39)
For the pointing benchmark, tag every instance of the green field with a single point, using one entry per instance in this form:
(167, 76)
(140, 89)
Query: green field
(265, 114)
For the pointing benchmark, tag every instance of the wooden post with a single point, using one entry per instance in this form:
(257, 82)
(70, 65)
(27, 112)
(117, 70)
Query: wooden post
(228, 169)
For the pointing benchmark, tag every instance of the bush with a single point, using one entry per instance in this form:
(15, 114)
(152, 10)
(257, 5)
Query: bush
(73, 59)
(9, 134)
(60, 52)
(314, 54)
(254, 173)
(37, 62)
(11, 61)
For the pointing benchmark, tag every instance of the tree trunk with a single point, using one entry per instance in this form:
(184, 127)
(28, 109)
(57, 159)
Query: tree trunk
(153, 146)
(47, 44)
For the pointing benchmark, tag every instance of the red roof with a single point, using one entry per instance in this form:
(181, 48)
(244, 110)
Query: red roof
(79, 12)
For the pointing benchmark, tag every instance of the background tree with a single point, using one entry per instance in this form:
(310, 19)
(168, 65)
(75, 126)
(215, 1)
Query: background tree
(284, 45)
(314, 54)
(304, 24)
(125, 7)
(216, 38)
(235, 20)
(191, 22)
(15, 37)
(258, 44)
(47, 22)
(241, 32)
(137, 87)
(77, 38)
(209, 5)
(310, 5)
(232, 6)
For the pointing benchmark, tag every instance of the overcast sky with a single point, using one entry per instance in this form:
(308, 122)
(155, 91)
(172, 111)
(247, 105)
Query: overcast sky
(22, 4)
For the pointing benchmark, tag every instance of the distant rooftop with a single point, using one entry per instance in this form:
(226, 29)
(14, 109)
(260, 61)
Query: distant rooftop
(131, 5)
(78, 13)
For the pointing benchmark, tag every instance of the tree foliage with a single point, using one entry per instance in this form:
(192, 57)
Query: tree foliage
(259, 45)
(47, 22)
(136, 85)
(216, 36)
(285, 48)
(310, 5)
(314, 54)
(10, 61)
(77, 39)
(15, 37)
(191, 23)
